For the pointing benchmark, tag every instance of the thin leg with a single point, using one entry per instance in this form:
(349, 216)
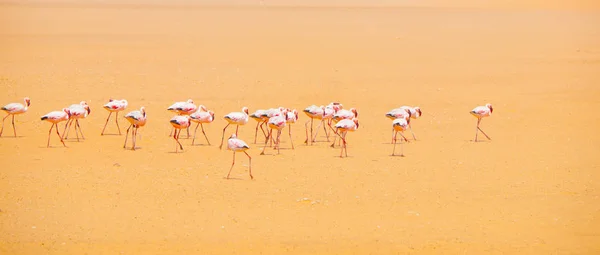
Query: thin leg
(291, 140)
(49, 133)
(477, 129)
(109, 113)
(314, 138)
(484, 133)
(3, 124)
(266, 140)
(58, 134)
(65, 131)
(306, 128)
(195, 130)
(334, 138)
(223, 136)
(176, 137)
(171, 133)
(394, 142)
(76, 133)
(78, 126)
(325, 129)
(188, 132)
(411, 132)
(278, 141)
(117, 121)
(232, 163)
(202, 126)
(236, 129)
(262, 129)
(256, 131)
(249, 165)
(134, 137)
(13, 123)
(126, 135)
(345, 145)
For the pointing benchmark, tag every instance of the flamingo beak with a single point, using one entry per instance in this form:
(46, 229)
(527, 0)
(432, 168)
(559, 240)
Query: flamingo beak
(88, 110)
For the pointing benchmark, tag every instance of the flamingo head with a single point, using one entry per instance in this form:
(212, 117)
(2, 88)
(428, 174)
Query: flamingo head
(295, 113)
(203, 108)
(124, 103)
(488, 105)
(143, 111)
(355, 122)
(245, 109)
(67, 111)
(212, 114)
(190, 101)
(27, 101)
(418, 110)
(233, 136)
(353, 110)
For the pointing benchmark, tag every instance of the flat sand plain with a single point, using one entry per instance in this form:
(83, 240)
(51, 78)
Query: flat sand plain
(533, 189)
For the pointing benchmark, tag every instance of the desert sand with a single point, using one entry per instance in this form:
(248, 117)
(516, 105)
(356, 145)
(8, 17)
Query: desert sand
(532, 189)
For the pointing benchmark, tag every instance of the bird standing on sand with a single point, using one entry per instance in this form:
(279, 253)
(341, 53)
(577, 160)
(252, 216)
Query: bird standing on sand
(114, 106)
(415, 113)
(342, 128)
(399, 125)
(277, 122)
(237, 145)
(13, 109)
(76, 112)
(179, 122)
(56, 117)
(235, 118)
(292, 117)
(202, 117)
(399, 113)
(136, 119)
(481, 112)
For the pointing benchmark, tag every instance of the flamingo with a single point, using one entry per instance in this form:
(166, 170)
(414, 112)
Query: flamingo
(292, 117)
(14, 109)
(200, 118)
(76, 111)
(114, 106)
(179, 122)
(237, 145)
(399, 113)
(343, 114)
(136, 119)
(415, 113)
(258, 115)
(56, 117)
(342, 128)
(276, 122)
(481, 112)
(235, 118)
(184, 108)
(313, 112)
(399, 125)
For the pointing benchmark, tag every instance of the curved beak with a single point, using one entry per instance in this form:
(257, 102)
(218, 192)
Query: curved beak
(88, 110)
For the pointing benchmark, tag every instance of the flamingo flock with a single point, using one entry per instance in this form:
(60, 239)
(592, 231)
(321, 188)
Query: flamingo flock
(335, 120)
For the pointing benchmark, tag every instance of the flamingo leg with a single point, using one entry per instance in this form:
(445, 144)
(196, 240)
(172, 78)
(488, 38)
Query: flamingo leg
(195, 130)
(176, 137)
(256, 131)
(109, 113)
(188, 132)
(345, 145)
(306, 128)
(58, 134)
(117, 121)
(394, 142)
(266, 141)
(3, 124)
(65, 131)
(126, 135)
(291, 140)
(483, 132)
(314, 138)
(78, 126)
(76, 134)
(204, 133)
(236, 129)
(133, 137)
(49, 133)
(411, 132)
(325, 129)
(249, 165)
(223, 136)
(262, 129)
(232, 163)
(278, 141)
(15, 130)
(477, 129)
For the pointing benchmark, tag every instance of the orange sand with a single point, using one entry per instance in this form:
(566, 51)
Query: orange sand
(533, 189)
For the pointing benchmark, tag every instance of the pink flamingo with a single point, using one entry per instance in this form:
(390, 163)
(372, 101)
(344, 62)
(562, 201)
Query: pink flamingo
(481, 112)
(136, 119)
(343, 114)
(342, 128)
(14, 109)
(313, 112)
(415, 113)
(237, 145)
(200, 118)
(399, 113)
(259, 116)
(114, 106)
(76, 112)
(292, 117)
(399, 125)
(235, 118)
(179, 122)
(276, 122)
(56, 117)
(184, 108)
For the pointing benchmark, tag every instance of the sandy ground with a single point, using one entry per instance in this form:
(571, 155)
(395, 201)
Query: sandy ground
(533, 189)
